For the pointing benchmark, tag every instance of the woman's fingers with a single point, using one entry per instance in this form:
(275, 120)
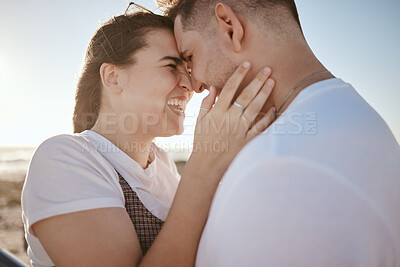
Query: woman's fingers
(224, 120)
(261, 125)
(231, 86)
(207, 103)
(255, 106)
(251, 90)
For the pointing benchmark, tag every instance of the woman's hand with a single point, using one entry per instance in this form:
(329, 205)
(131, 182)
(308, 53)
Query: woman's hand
(224, 128)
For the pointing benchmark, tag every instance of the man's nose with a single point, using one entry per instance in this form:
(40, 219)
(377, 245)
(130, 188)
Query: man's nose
(197, 86)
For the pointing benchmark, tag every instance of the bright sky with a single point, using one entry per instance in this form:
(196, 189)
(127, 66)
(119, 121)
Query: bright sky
(42, 44)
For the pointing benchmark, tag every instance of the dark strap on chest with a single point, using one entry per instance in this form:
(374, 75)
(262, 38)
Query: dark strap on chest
(147, 225)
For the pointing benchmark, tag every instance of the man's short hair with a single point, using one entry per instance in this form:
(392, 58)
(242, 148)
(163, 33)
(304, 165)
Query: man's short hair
(275, 13)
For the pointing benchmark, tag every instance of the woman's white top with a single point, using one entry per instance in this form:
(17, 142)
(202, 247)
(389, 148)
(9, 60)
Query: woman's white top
(76, 172)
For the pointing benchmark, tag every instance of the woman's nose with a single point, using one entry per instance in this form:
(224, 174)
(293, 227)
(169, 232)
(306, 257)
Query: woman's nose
(185, 83)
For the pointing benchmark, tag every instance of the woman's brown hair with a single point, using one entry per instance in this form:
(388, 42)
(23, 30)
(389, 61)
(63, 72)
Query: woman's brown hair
(116, 41)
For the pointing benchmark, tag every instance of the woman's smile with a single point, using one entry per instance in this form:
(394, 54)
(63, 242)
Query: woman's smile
(178, 104)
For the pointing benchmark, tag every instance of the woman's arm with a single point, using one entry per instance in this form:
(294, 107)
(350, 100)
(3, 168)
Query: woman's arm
(106, 237)
(97, 237)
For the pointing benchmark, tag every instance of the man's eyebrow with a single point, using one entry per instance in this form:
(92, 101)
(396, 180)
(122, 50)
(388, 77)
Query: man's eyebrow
(177, 60)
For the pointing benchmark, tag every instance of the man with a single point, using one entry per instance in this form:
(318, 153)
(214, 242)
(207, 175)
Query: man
(320, 187)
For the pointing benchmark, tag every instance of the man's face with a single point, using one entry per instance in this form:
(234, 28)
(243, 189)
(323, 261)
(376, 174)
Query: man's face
(209, 64)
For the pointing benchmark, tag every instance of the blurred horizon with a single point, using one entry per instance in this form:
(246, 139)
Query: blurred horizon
(43, 44)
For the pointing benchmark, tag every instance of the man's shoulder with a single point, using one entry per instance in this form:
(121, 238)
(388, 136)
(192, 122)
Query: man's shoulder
(326, 123)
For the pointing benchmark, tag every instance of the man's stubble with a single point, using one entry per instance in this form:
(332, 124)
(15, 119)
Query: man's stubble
(218, 68)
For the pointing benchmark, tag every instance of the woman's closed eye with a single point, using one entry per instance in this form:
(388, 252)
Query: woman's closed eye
(174, 66)
(174, 62)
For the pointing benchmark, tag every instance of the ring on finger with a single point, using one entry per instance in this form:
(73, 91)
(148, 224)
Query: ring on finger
(237, 105)
(246, 120)
(205, 109)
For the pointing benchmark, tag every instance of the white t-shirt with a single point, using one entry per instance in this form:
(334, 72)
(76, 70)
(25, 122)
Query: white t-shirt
(76, 172)
(320, 187)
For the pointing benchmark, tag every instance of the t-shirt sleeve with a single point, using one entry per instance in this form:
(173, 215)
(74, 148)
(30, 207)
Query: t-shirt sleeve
(289, 212)
(65, 175)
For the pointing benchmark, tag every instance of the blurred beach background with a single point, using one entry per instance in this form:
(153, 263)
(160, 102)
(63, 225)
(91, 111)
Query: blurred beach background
(42, 44)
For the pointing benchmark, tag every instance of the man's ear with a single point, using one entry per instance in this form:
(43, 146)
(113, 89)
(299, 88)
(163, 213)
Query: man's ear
(230, 25)
(109, 78)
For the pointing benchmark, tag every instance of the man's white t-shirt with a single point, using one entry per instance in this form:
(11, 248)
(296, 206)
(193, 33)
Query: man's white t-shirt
(76, 172)
(320, 187)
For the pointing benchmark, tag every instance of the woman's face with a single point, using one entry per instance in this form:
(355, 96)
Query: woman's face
(156, 89)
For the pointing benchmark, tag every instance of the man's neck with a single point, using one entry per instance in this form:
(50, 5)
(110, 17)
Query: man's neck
(291, 65)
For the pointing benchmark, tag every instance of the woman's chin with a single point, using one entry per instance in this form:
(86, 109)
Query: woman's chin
(176, 126)
(180, 131)
(172, 129)
(177, 131)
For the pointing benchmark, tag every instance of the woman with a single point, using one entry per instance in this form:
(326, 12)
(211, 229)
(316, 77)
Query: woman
(108, 196)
